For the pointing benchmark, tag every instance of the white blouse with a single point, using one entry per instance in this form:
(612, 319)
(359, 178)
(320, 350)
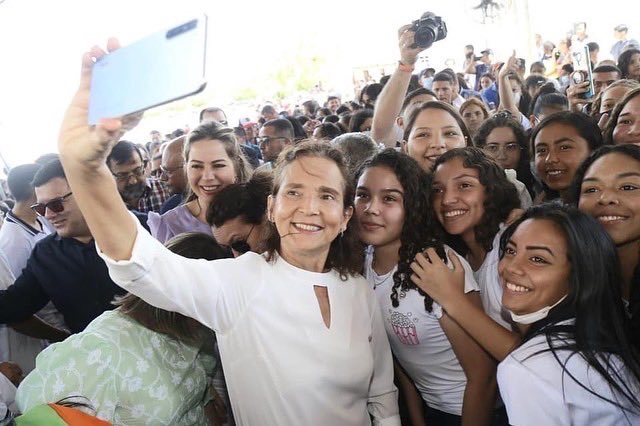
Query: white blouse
(283, 366)
(536, 390)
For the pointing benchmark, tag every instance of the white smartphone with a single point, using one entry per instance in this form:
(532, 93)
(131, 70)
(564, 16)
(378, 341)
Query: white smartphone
(160, 68)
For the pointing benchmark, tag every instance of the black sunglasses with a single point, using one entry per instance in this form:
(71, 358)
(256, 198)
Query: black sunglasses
(241, 246)
(56, 205)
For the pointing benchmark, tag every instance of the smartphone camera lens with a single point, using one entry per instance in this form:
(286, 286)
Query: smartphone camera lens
(182, 28)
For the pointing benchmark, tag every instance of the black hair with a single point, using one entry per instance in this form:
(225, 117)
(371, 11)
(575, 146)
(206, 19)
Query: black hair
(624, 60)
(329, 130)
(615, 114)
(324, 110)
(411, 120)
(123, 152)
(606, 68)
(444, 76)
(19, 181)
(586, 126)
(419, 230)
(461, 82)
(372, 90)
(53, 169)
(548, 97)
(629, 150)
(384, 79)
(523, 170)
(600, 331)
(342, 109)
(282, 125)
(358, 118)
(245, 200)
(501, 196)
(534, 80)
(525, 97)
(568, 68)
(418, 92)
(331, 118)
(592, 46)
(311, 107)
(298, 130)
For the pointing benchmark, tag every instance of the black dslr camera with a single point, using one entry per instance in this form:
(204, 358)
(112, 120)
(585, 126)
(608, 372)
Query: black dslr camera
(428, 28)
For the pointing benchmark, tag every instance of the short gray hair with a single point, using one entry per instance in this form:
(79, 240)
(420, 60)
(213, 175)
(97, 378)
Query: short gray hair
(356, 148)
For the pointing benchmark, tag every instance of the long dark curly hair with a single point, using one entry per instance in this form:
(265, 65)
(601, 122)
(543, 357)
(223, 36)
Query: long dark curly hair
(419, 230)
(501, 196)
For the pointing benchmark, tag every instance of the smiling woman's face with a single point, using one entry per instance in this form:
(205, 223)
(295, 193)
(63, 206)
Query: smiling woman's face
(308, 209)
(434, 132)
(535, 269)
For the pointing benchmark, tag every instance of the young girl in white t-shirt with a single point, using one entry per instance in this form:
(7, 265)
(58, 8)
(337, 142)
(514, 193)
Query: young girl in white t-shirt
(453, 376)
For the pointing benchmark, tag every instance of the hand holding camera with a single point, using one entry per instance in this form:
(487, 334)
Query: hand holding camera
(420, 35)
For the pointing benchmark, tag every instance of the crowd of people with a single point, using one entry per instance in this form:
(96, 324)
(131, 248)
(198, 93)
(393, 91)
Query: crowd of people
(448, 248)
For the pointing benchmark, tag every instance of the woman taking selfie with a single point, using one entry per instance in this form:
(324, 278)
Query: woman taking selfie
(329, 361)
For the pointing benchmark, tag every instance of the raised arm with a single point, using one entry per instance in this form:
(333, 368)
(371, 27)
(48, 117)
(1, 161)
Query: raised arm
(83, 151)
(390, 99)
(504, 88)
(446, 287)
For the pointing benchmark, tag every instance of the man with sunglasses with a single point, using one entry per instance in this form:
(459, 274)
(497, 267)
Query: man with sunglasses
(22, 229)
(139, 192)
(63, 268)
(274, 136)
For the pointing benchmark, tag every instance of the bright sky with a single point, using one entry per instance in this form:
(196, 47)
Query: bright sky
(41, 42)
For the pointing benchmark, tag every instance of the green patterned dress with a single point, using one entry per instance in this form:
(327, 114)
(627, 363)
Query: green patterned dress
(130, 374)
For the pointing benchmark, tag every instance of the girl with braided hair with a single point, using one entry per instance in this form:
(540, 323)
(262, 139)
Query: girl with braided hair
(453, 376)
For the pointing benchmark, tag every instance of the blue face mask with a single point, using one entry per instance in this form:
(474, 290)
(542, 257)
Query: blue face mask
(427, 83)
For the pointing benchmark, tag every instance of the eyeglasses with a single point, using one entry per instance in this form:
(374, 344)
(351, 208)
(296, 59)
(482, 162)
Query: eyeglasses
(56, 205)
(266, 140)
(494, 148)
(241, 246)
(137, 172)
(168, 172)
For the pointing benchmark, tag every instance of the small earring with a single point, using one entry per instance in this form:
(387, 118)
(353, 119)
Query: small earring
(342, 233)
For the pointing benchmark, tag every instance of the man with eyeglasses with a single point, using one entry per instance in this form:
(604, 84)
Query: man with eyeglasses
(274, 136)
(64, 268)
(173, 174)
(139, 192)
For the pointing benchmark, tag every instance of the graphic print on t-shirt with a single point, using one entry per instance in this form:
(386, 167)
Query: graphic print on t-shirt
(404, 328)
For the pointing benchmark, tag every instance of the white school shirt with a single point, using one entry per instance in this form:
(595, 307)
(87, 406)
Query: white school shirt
(536, 391)
(491, 286)
(283, 366)
(418, 341)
